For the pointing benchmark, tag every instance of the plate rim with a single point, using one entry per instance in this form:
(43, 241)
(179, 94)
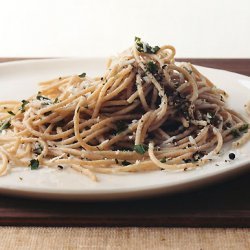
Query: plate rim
(122, 193)
(136, 193)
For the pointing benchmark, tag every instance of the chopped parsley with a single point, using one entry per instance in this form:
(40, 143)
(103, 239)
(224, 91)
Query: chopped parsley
(235, 133)
(152, 67)
(10, 112)
(34, 164)
(24, 103)
(82, 75)
(244, 127)
(5, 125)
(145, 47)
(163, 160)
(140, 149)
(121, 126)
(126, 163)
(56, 100)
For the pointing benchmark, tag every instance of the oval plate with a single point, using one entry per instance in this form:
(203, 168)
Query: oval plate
(18, 80)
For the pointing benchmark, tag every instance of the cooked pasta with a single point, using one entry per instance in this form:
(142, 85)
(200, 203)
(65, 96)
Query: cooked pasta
(146, 112)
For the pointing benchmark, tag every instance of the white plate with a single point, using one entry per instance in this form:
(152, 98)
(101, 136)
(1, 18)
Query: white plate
(18, 80)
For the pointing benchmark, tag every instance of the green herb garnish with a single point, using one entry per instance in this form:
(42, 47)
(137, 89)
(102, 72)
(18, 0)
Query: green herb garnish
(5, 125)
(34, 164)
(140, 148)
(244, 127)
(145, 47)
(126, 163)
(163, 160)
(24, 103)
(82, 75)
(10, 112)
(235, 133)
(56, 100)
(152, 67)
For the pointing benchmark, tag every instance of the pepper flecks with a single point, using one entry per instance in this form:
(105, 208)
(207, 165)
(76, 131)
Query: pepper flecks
(60, 167)
(231, 156)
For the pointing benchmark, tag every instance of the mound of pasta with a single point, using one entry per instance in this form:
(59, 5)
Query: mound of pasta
(145, 112)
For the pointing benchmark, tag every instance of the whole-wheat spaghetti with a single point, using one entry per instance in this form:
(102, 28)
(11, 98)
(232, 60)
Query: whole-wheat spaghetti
(145, 113)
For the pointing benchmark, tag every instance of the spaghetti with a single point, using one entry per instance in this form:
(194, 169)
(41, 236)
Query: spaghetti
(145, 113)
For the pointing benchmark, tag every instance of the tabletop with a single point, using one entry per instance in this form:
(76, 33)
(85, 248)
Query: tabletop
(223, 205)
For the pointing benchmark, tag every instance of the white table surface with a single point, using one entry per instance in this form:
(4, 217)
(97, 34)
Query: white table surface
(214, 28)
